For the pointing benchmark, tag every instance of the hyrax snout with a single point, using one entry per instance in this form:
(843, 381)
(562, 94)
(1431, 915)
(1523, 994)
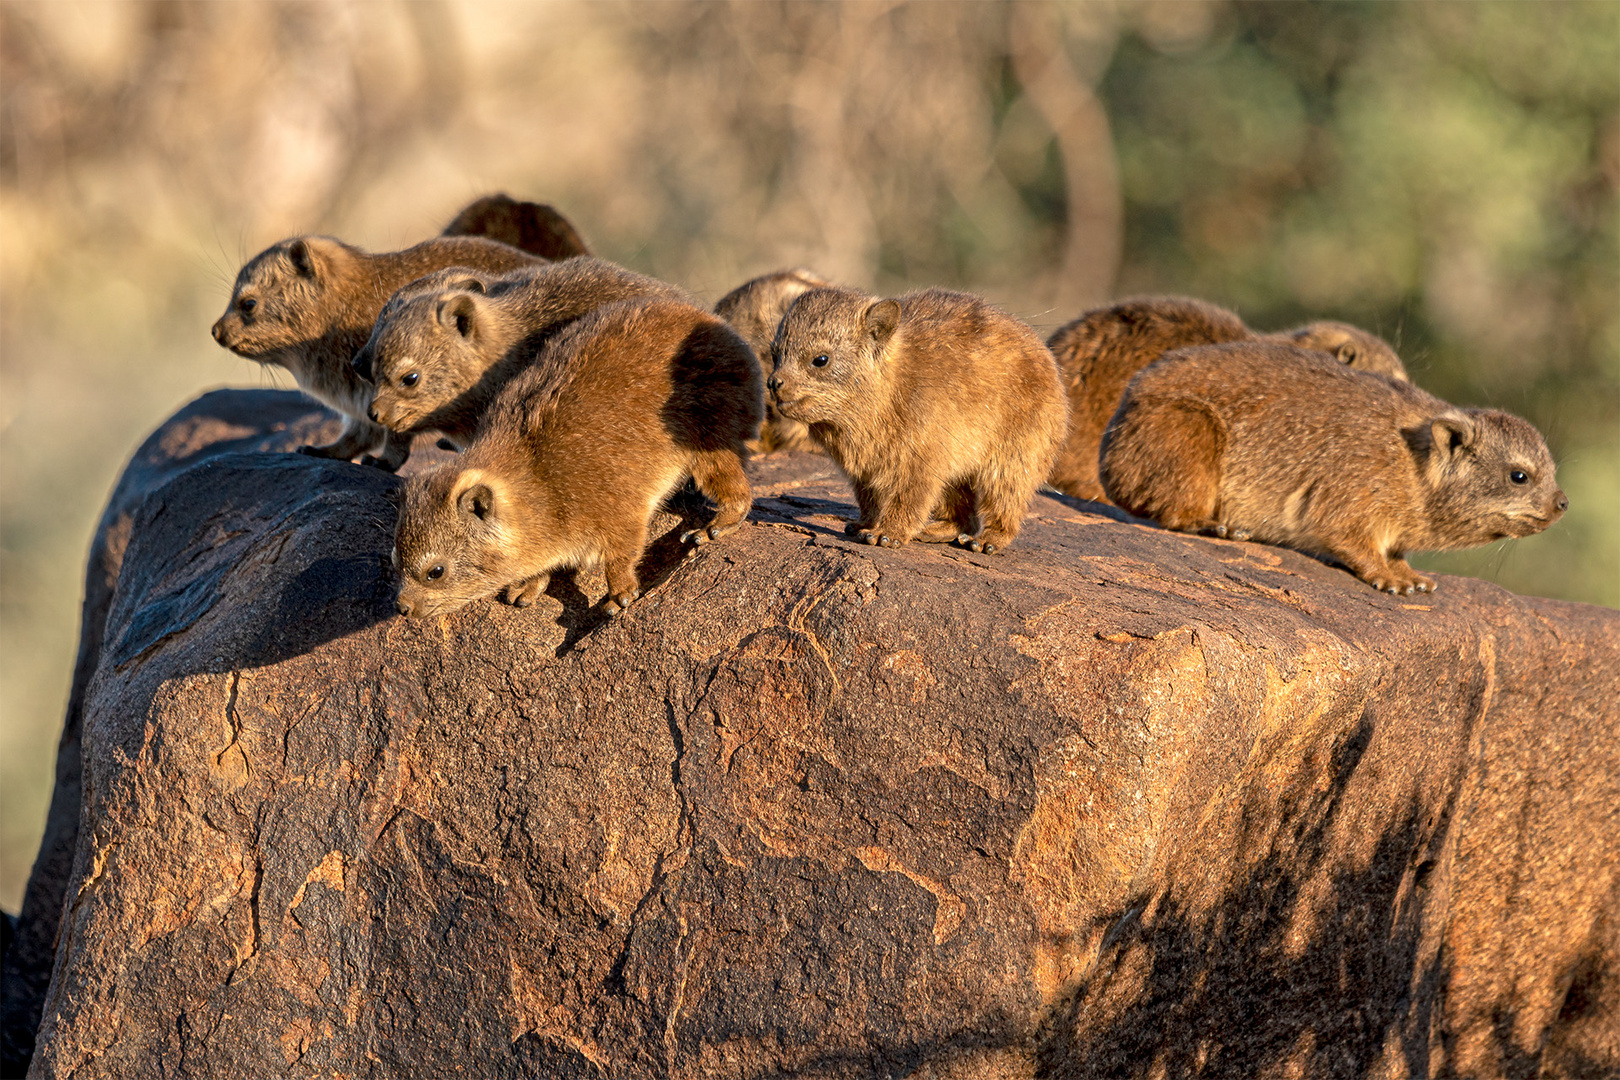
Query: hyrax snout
(943, 411)
(1271, 442)
(577, 451)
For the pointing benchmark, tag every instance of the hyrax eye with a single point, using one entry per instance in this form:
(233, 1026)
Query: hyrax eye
(246, 305)
(436, 572)
(820, 361)
(411, 378)
(1519, 476)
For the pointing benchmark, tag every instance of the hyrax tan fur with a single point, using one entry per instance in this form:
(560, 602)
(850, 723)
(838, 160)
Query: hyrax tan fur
(533, 227)
(1099, 352)
(575, 454)
(943, 411)
(1271, 442)
(308, 303)
(755, 309)
(445, 344)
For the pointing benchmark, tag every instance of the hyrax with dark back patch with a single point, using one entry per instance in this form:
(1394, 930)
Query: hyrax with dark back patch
(944, 411)
(445, 344)
(1099, 352)
(1265, 441)
(755, 309)
(575, 454)
(308, 303)
(533, 227)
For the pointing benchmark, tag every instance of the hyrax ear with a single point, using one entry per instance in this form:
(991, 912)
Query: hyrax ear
(303, 257)
(1452, 433)
(478, 501)
(881, 319)
(458, 313)
(468, 284)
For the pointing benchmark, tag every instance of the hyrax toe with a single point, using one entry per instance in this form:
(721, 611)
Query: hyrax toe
(523, 593)
(619, 601)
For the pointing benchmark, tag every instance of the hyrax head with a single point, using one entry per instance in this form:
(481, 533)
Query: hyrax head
(1351, 345)
(279, 303)
(829, 352)
(429, 344)
(454, 541)
(1489, 476)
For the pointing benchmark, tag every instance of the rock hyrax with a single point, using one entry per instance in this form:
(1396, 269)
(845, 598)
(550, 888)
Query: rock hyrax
(754, 309)
(943, 411)
(1265, 441)
(575, 454)
(445, 344)
(308, 303)
(1099, 352)
(533, 227)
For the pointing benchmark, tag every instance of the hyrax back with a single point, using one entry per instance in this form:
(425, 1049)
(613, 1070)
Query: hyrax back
(575, 454)
(755, 309)
(1284, 445)
(1101, 351)
(533, 227)
(307, 304)
(944, 411)
(444, 345)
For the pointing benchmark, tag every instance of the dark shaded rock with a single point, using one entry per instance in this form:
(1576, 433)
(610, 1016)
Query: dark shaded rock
(1118, 803)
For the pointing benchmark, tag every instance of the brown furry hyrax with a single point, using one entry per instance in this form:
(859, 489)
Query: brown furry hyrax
(754, 309)
(943, 411)
(575, 454)
(1099, 352)
(533, 227)
(1271, 442)
(308, 303)
(444, 345)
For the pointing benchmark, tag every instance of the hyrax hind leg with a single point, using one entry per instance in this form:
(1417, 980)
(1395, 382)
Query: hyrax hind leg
(1161, 459)
(619, 558)
(719, 475)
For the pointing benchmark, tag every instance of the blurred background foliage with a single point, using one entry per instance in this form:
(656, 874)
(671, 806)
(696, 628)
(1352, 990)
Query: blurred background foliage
(1442, 173)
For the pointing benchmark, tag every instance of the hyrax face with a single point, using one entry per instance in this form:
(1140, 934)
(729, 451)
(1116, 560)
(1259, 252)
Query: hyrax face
(453, 541)
(1491, 477)
(828, 351)
(428, 346)
(275, 309)
(1351, 345)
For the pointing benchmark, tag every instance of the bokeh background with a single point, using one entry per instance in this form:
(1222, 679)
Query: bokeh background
(1442, 173)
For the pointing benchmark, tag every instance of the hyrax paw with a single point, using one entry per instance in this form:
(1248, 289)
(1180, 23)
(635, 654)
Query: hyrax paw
(875, 538)
(618, 602)
(1398, 584)
(524, 593)
(977, 544)
(316, 451)
(1238, 534)
(380, 463)
(853, 528)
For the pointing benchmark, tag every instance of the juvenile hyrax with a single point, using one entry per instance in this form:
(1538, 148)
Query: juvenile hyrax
(754, 309)
(575, 454)
(533, 227)
(1099, 352)
(1271, 442)
(445, 344)
(308, 303)
(943, 411)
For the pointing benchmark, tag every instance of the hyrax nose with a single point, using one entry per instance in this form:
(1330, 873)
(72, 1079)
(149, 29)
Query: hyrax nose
(1560, 501)
(219, 331)
(773, 384)
(404, 606)
(371, 411)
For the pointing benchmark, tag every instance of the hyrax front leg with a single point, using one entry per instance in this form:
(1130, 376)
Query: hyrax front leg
(619, 563)
(396, 451)
(719, 475)
(1385, 572)
(357, 436)
(868, 504)
(903, 515)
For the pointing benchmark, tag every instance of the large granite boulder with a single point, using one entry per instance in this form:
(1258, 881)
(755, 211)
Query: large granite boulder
(1117, 803)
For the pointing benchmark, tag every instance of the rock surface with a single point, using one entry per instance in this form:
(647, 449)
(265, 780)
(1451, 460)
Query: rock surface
(1117, 803)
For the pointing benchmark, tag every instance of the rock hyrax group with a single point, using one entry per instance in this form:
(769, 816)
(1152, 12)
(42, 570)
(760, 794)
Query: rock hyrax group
(582, 395)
